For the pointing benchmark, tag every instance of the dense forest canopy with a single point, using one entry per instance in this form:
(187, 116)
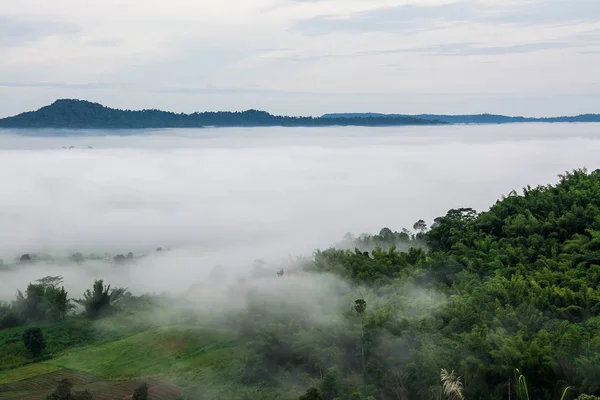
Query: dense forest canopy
(445, 310)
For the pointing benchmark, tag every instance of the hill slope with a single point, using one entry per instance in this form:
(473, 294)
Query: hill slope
(471, 118)
(68, 113)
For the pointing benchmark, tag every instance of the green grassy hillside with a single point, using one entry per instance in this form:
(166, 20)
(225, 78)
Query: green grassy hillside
(206, 363)
(162, 352)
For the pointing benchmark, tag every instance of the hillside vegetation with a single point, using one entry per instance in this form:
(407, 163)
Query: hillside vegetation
(473, 118)
(468, 300)
(68, 113)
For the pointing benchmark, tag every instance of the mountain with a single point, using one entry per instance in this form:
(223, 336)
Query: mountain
(69, 113)
(470, 118)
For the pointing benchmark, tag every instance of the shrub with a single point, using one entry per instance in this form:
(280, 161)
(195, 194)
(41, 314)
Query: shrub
(34, 341)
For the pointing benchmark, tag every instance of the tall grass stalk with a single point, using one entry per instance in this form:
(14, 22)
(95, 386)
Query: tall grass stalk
(452, 385)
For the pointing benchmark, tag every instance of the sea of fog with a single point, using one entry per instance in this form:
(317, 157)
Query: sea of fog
(231, 196)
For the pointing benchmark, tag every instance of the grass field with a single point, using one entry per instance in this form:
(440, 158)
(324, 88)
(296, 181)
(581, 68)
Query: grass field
(28, 371)
(60, 336)
(178, 353)
(205, 363)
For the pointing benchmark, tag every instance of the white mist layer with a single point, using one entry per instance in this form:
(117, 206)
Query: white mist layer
(231, 196)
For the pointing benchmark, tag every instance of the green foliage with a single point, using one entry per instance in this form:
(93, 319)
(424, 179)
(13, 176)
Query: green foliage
(330, 386)
(512, 287)
(100, 300)
(34, 341)
(356, 396)
(60, 336)
(8, 316)
(311, 394)
(522, 390)
(43, 300)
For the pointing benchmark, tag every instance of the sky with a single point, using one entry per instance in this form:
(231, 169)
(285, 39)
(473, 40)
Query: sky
(304, 57)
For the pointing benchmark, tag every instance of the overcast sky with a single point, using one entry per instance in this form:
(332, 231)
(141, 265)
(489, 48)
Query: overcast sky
(519, 57)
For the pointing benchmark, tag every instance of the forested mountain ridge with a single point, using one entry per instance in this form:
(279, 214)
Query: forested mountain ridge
(472, 118)
(68, 113)
(480, 294)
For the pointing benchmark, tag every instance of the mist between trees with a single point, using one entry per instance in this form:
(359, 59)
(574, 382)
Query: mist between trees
(458, 304)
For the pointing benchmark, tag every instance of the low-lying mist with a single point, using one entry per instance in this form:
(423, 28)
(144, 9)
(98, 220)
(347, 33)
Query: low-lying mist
(231, 196)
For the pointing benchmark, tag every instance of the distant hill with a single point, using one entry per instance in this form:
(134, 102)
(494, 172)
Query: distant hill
(471, 118)
(68, 113)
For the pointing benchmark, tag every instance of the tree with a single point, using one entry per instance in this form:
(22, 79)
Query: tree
(448, 230)
(34, 341)
(360, 306)
(43, 300)
(386, 234)
(77, 257)
(100, 300)
(57, 297)
(311, 394)
(59, 302)
(63, 392)
(141, 393)
(32, 305)
(8, 316)
(356, 396)
(420, 226)
(330, 384)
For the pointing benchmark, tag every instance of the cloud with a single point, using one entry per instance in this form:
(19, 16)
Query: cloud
(548, 12)
(473, 49)
(405, 18)
(16, 31)
(451, 49)
(412, 18)
(222, 90)
(60, 85)
(104, 42)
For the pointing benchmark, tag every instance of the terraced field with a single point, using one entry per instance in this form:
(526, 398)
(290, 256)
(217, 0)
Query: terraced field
(37, 388)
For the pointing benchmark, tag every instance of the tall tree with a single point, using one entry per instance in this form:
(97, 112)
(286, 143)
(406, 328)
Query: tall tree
(100, 300)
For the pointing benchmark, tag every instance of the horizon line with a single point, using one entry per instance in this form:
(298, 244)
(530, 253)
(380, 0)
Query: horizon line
(376, 113)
